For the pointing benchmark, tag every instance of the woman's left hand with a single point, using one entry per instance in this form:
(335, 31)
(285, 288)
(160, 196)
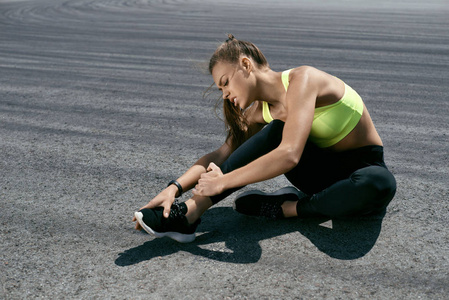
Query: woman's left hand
(210, 183)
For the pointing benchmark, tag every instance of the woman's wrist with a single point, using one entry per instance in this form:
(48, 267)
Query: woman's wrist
(225, 182)
(177, 187)
(172, 191)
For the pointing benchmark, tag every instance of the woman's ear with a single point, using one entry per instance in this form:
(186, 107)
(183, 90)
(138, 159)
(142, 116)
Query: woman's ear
(246, 64)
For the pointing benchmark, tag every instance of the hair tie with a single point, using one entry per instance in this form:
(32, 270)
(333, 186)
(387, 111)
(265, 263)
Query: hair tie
(230, 38)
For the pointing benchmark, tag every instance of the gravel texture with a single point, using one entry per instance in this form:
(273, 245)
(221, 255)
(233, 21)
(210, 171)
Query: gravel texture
(101, 104)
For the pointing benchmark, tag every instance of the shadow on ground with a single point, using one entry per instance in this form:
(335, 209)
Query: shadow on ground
(340, 239)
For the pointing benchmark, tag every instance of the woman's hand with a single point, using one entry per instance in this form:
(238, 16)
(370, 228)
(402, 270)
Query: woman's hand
(210, 183)
(165, 199)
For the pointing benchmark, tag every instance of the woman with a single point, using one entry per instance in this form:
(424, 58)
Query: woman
(319, 134)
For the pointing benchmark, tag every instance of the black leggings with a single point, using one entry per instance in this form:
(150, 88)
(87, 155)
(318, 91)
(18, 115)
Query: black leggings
(336, 184)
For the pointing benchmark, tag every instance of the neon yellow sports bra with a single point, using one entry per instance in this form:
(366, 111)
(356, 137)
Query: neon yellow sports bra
(331, 123)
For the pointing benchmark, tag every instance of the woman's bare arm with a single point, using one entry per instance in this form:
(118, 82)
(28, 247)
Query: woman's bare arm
(306, 83)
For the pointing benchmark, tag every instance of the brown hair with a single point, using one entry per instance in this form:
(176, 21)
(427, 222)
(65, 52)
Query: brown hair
(230, 51)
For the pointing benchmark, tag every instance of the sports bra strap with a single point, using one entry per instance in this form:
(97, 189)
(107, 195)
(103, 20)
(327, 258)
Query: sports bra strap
(265, 107)
(285, 80)
(266, 112)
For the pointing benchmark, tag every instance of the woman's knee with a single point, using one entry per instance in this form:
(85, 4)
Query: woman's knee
(275, 128)
(256, 146)
(377, 184)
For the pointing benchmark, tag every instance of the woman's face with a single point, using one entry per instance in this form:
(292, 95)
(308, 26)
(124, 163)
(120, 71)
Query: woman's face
(233, 81)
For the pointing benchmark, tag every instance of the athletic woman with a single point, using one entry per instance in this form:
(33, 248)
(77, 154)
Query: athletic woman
(303, 123)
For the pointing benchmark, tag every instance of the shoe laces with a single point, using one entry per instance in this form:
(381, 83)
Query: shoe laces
(176, 211)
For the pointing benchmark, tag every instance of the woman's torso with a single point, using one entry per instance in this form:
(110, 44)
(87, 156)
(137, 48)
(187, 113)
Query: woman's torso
(328, 105)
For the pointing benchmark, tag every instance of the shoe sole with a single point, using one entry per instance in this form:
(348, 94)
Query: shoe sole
(177, 236)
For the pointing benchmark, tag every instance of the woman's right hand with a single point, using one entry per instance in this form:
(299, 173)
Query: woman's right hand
(164, 199)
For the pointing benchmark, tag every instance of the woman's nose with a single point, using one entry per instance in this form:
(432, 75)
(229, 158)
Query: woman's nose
(225, 95)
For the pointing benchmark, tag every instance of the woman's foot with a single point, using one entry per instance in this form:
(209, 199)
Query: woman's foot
(176, 226)
(278, 205)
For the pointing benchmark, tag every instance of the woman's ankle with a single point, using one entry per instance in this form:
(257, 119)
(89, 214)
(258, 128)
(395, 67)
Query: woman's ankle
(289, 209)
(196, 206)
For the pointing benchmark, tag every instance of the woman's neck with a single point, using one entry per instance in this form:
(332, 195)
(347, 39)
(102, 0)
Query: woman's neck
(270, 87)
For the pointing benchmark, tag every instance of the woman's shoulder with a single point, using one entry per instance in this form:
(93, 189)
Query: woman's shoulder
(326, 85)
(305, 70)
(315, 77)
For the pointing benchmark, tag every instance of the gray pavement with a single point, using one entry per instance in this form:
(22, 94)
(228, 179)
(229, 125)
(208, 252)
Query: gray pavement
(101, 105)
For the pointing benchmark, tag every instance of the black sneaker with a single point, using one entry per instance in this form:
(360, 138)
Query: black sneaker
(260, 204)
(175, 226)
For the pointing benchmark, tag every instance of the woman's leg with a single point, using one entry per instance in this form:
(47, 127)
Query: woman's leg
(367, 190)
(261, 143)
(336, 184)
(258, 145)
(341, 184)
(184, 217)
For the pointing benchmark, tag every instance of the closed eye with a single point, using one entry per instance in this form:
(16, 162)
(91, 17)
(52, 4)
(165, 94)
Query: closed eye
(225, 84)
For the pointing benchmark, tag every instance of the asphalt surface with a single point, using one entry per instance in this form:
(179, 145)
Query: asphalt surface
(101, 104)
